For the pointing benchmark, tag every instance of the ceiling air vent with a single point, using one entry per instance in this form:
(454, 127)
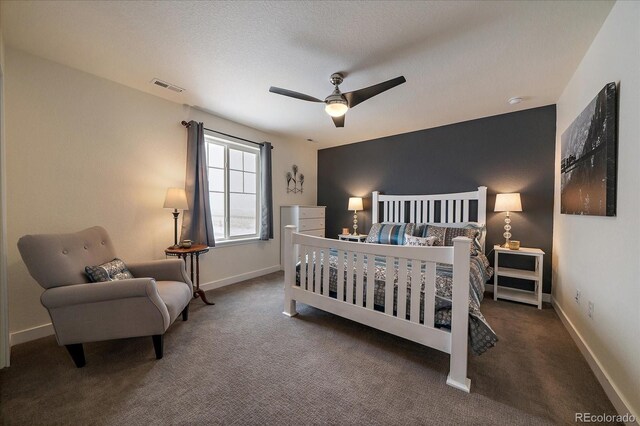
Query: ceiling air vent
(166, 85)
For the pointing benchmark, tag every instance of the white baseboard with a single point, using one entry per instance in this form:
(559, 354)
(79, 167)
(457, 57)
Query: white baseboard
(45, 330)
(239, 278)
(30, 334)
(546, 297)
(618, 400)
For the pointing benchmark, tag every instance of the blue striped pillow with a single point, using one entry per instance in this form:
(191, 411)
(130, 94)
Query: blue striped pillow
(389, 233)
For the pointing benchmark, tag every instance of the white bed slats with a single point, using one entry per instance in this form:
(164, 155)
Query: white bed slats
(325, 274)
(340, 271)
(414, 315)
(349, 281)
(450, 208)
(359, 278)
(401, 300)
(429, 293)
(359, 287)
(370, 280)
(388, 289)
(304, 254)
(421, 211)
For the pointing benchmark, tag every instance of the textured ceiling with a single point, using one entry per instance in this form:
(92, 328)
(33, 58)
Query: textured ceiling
(462, 60)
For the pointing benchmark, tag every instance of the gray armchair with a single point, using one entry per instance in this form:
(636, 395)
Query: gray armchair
(83, 312)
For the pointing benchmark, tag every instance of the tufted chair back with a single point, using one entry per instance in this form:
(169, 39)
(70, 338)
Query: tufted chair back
(56, 260)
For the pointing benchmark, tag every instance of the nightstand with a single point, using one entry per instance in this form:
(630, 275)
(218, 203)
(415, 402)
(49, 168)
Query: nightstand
(524, 296)
(350, 237)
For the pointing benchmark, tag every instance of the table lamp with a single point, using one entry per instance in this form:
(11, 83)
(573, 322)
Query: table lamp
(508, 203)
(176, 199)
(355, 204)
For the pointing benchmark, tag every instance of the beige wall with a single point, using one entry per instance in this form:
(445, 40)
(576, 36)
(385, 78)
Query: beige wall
(83, 151)
(4, 314)
(599, 255)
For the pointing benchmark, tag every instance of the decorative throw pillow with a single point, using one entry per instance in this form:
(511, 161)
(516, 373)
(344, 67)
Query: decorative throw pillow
(110, 271)
(421, 230)
(389, 233)
(445, 235)
(410, 240)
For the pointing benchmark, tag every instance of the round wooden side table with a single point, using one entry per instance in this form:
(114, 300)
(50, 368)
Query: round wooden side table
(182, 253)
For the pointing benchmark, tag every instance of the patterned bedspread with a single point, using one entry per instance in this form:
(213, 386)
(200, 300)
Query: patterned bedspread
(481, 336)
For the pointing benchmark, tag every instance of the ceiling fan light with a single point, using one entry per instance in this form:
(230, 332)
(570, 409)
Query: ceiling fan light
(336, 108)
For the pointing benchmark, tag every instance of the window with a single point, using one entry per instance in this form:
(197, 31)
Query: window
(233, 188)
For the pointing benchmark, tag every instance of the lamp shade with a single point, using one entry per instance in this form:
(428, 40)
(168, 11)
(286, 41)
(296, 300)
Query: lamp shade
(355, 203)
(508, 203)
(176, 198)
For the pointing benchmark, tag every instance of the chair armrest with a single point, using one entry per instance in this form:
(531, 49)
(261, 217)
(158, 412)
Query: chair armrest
(161, 270)
(79, 294)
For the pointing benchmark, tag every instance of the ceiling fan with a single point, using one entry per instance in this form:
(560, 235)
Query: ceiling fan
(337, 103)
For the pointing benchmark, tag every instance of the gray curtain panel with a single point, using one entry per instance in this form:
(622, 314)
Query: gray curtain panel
(266, 193)
(197, 224)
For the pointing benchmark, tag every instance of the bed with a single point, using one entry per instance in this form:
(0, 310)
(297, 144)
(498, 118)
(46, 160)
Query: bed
(444, 314)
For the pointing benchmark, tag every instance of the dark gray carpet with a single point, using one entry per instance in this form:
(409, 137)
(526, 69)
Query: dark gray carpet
(243, 362)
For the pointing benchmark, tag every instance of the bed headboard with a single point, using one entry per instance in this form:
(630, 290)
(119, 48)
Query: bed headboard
(436, 208)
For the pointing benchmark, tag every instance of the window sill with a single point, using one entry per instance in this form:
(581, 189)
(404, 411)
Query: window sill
(227, 243)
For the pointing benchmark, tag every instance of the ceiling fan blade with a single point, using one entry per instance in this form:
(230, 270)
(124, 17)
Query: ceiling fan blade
(338, 121)
(361, 95)
(293, 94)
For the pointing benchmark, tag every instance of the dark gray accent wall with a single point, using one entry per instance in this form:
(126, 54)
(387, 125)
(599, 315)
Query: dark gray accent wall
(507, 153)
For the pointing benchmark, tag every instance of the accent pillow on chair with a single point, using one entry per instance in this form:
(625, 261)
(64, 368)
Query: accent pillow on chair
(110, 271)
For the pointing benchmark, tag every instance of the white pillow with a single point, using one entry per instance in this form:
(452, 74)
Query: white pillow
(410, 240)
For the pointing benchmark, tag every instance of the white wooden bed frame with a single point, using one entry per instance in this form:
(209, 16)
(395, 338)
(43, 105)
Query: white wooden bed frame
(313, 251)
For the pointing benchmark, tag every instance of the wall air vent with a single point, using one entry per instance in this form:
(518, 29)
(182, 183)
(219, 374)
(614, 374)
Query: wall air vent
(166, 85)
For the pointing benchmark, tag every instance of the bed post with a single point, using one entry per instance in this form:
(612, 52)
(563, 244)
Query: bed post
(290, 260)
(482, 204)
(374, 206)
(460, 315)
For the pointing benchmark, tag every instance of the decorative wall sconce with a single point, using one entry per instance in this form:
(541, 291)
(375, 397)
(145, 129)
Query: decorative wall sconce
(296, 179)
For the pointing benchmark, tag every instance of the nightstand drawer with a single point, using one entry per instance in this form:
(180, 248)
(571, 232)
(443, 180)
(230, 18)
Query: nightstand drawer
(311, 212)
(308, 224)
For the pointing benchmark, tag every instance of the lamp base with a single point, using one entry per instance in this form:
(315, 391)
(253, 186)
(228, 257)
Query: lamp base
(176, 213)
(355, 222)
(507, 231)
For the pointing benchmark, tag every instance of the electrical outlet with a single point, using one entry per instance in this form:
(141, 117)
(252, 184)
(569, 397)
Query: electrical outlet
(590, 311)
(577, 297)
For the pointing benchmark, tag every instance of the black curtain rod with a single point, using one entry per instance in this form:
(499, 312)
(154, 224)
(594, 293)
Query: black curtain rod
(185, 124)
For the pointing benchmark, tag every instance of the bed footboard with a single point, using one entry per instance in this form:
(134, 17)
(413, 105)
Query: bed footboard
(354, 298)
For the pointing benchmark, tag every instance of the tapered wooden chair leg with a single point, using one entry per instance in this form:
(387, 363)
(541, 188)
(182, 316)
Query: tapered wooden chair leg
(185, 313)
(77, 354)
(157, 344)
